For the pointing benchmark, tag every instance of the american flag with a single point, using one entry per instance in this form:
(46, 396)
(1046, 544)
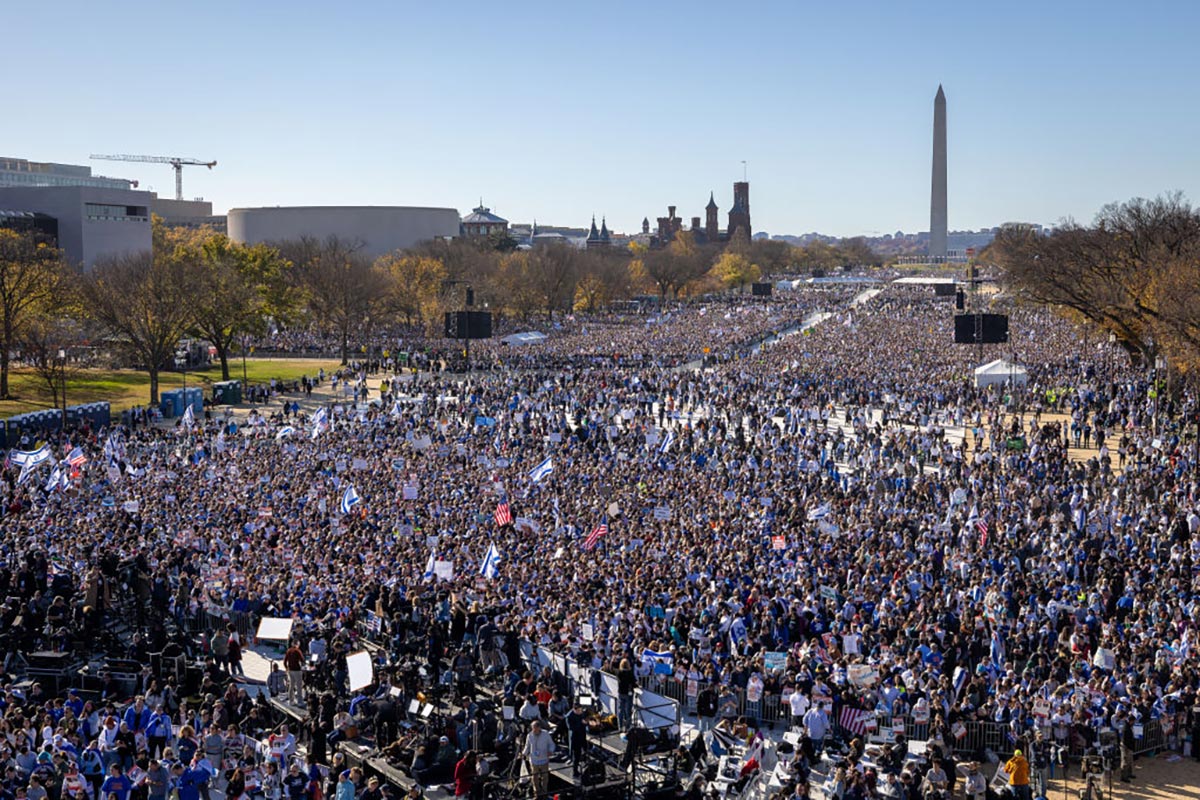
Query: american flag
(854, 720)
(503, 515)
(76, 458)
(982, 527)
(598, 533)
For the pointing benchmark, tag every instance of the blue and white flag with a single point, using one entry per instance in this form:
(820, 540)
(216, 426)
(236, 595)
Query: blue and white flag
(1079, 516)
(21, 458)
(820, 512)
(652, 657)
(667, 441)
(284, 432)
(429, 573)
(997, 651)
(114, 450)
(189, 418)
(491, 563)
(58, 479)
(320, 421)
(541, 470)
(350, 499)
(34, 460)
(960, 680)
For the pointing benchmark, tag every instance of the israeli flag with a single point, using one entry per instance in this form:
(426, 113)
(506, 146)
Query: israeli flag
(284, 432)
(320, 421)
(667, 441)
(491, 563)
(350, 499)
(189, 418)
(820, 512)
(541, 470)
(428, 576)
(652, 657)
(997, 649)
(960, 680)
(35, 460)
(29, 458)
(58, 479)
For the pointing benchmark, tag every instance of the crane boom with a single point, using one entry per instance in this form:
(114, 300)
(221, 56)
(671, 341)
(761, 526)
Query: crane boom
(178, 162)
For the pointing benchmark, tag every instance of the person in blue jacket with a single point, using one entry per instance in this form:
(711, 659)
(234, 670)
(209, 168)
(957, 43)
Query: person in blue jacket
(116, 784)
(158, 731)
(137, 716)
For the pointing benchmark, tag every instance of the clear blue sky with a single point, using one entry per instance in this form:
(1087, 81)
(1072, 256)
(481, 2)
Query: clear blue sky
(557, 110)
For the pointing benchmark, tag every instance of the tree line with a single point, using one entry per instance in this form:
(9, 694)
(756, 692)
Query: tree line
(1134, 272)
(198, 283)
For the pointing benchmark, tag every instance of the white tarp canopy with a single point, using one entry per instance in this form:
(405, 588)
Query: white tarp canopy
(1000, 371)
(528, 337)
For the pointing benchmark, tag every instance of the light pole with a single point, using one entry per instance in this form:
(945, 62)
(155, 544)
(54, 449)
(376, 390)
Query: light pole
(62, 374)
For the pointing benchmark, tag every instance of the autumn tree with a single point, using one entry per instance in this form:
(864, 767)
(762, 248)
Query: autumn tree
(516, 284)
(413, 287)
(242, 287)
(675, 266)
(818, 254)
(734, 270)
(145, 304)
(31, 272)
(1134, 273)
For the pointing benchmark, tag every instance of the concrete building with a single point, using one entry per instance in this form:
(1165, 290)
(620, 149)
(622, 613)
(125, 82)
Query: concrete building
(187, 213)
(93, 223)
(23, 173)
(379, 229)
(938, 219)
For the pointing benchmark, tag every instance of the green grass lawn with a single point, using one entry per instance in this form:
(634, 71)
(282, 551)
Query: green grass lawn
(124, 388)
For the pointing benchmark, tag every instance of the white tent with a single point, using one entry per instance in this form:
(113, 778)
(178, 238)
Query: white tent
(528, 337)
(1000, 371)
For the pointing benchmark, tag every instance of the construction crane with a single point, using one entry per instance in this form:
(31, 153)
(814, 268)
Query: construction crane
(175, 161)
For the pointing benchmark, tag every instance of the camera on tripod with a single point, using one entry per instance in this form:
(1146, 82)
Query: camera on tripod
(1092, 765)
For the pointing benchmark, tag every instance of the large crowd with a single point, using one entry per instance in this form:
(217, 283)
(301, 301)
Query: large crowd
(844, 497)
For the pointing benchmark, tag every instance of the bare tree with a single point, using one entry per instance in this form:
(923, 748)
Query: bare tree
(1134, 272)
(30, 273)
(145, 304)
(42, 340)
(341, 287)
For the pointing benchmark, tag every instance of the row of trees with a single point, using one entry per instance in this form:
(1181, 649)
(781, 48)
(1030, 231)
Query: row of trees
(1135, 272)
(197, 283)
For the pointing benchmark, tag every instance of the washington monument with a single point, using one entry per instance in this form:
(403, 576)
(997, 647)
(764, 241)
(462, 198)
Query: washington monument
(937, 200)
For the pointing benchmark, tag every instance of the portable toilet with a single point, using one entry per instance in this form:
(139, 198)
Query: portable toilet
(101, 414)
(171, 404)
(194, 396)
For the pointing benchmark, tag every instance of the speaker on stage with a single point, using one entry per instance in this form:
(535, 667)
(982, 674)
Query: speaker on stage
(980, 328)
(468, 325)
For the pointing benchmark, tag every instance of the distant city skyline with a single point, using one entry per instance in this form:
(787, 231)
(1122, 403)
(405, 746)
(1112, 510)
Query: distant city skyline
(558, 112)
